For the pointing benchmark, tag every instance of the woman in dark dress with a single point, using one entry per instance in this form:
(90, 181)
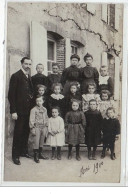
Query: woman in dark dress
(89, 74)
(57, 99)
(93, 128)
(71, 74)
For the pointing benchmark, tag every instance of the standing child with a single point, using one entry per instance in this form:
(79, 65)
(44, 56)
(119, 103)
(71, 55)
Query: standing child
(89, 74)
(38, 128)
(73, 94)
(56, 99)
(105, 102)
(56, 135)
(75, 123)
(39, 78)
(105, 81)
(54, 77)
(111, 130)
(93, 129)
(89, 96)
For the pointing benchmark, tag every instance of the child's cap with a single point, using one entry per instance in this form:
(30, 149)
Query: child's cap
(87, 55)
(75, 56)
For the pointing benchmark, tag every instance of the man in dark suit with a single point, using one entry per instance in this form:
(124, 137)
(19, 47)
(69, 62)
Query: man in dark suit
(20, 96)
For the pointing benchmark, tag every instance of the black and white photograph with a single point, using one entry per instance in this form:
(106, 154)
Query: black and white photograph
(63, 92)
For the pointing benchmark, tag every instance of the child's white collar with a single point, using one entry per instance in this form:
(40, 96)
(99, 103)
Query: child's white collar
(57, 96)
(103, 80)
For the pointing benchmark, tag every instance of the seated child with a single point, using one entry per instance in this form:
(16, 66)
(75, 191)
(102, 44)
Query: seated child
(93, 128)
(74, 125)
(56, 99)
(111, 129)
(54, 77)
(89, 96)
(39, 78)
(105, 102)
(73, 94)
(56, 133)
(38, 128)
(105, 81)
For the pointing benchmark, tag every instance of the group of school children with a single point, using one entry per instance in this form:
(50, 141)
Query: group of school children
(74, 108)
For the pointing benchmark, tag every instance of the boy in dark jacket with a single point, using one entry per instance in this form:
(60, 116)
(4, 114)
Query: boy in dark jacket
(111, 130)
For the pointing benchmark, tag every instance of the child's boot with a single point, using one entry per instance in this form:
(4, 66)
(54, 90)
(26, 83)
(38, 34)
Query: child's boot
(103, 154)
(69, 152)
(59, 153)
(94, 154)
(112, 155)
(36, 155)
(89, 154)
(53, 153)
(77, 153)
(41, 155)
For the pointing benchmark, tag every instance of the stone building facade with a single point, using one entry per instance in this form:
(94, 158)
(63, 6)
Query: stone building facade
(51, 32)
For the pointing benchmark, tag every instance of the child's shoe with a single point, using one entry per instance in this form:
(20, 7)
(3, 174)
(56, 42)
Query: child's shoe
(41, 155)
(36, 155)
(77, 153)
(69, 156)
(89, 155)
(113, 156)
(93, 155)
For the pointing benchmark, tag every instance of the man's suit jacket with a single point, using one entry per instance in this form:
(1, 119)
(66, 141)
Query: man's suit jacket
(20, 93)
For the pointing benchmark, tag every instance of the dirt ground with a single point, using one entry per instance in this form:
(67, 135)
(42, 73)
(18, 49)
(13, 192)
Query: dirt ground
(84, 171)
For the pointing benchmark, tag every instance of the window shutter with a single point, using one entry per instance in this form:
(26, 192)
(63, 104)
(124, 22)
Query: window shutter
(91, 8)
(104, 12)
(38, 46)
(116, 17)
(104, 59)
(117, 79)
(68, 52)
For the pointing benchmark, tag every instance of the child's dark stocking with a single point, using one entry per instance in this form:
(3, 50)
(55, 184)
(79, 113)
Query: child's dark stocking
(89, 153)
(53, 153)
(103, 151)
(36, 155)
(94, 153)
(112, 151)
(59, 153)
(41, 155)
(69, 151)
(77, 152)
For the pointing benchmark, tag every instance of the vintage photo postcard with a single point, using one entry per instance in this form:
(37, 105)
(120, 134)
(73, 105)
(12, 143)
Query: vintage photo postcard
(63, 93)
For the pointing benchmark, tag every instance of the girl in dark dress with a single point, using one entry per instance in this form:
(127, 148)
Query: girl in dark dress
(89, 74)
(93, 128)
(73, 94)
(111, 130)
(105, 81)
(74, 125)
(71, 74)
(57, 99)
(54, 77)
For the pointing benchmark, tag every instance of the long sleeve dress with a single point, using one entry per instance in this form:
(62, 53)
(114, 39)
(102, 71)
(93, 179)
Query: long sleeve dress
(93, 128)
(56, 125)
(57, 100)
(70, 75)
(74, 125)
(106, 83)
(89, 74)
